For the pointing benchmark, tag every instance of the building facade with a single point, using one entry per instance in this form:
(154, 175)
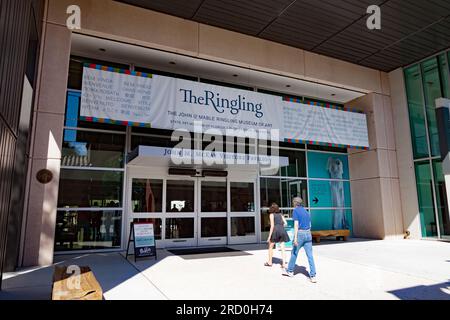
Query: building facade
(20, 36)
(90, 177)
(425, 82)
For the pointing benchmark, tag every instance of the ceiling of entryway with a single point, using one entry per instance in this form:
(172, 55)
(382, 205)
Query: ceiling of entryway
(410, 30)
(113, 51)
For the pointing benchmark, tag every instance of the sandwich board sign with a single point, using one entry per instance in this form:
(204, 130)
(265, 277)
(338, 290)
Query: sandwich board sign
(143, 237)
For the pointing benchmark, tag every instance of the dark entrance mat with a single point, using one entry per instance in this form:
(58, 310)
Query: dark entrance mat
(209, 252)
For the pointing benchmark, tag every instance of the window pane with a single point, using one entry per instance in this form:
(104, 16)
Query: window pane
(441, 198)
(444, 69)
(147, 195)
(90, 188)
(213, 227)
(291, 188)
(242, 226)
(180, 196)
(92, 149)
(214, 196)
(242, 197)
(270, 191)
(179, 228)
(297, 163)
(82, 230)
(425, 196)
(416, 112)
(432, 90)
(296, 166)
(157, 225)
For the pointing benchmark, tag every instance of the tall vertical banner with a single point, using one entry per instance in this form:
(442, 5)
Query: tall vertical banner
(139, 99)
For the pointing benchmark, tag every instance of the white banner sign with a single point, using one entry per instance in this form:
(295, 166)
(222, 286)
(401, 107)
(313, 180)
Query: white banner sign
(170, 103)
(115, 96)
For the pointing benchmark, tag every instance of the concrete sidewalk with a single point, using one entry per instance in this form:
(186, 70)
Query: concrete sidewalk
(357, 269)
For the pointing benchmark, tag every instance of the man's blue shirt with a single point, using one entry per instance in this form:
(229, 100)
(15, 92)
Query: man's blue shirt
(303, 217)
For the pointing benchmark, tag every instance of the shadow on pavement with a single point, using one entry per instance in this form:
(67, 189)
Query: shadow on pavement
(110, 270)
(440, 291)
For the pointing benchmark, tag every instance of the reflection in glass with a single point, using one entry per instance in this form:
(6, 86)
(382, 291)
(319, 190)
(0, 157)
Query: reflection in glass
(295, 168)
(425, 197)
(270, 191)
(297, 163)
(242, 197)
(83, 230)
(214, 196)
(157, 225)
(90, 188)
(441, 198)
(291, 188)
(147, 195)
(179, 228)
(432, 91)
(92, 149)
(242, 226)
(213, 227)
(180, 196)
(416, 112)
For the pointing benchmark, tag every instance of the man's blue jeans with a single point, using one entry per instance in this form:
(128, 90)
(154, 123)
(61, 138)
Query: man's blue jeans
(305, 241)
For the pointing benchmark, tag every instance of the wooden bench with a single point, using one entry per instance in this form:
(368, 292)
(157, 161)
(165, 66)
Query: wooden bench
(339, 234)
(65, 285)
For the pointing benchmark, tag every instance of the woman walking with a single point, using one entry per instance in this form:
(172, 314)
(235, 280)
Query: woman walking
(277, 233)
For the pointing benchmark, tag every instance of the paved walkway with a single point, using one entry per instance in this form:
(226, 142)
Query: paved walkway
(358, 269)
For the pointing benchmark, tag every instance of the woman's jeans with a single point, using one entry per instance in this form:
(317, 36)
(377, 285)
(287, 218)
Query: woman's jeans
(305, 241)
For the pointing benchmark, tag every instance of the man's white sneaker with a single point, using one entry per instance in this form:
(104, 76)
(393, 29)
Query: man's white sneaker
(287, 273)
(313, 279)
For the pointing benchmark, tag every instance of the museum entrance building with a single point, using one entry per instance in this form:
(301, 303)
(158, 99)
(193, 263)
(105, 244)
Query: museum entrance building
(115, 171)
(198, 128)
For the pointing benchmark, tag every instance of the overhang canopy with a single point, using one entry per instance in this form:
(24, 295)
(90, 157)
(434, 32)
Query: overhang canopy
(410, 30)
(146, 156)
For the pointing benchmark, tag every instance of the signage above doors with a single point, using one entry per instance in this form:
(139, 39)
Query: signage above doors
(139, 99)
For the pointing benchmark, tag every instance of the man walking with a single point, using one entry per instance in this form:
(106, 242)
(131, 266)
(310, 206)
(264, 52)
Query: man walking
(302, 238)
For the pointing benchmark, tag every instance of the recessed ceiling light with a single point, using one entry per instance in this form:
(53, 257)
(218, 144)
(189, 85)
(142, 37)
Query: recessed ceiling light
(102, 49)
(172, 62)
(235, 75)
(288, 86)
(333, 94)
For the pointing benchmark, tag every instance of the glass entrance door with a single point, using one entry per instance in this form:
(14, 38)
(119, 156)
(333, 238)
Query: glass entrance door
(212, 211)
(242, 212)
(192, 211)
(180, 212)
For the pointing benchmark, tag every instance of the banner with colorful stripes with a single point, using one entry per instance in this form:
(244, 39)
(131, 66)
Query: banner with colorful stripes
(131, 98)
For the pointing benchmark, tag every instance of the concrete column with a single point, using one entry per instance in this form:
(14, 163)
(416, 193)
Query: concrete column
(41, 199)
(375, 189)
(405, 164)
